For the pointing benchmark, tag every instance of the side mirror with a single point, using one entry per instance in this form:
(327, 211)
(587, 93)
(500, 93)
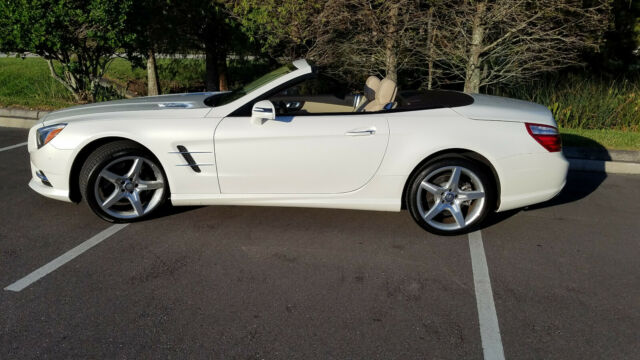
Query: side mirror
(262, 111)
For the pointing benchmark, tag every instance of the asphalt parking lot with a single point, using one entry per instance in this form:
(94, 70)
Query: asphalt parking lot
(284, 283)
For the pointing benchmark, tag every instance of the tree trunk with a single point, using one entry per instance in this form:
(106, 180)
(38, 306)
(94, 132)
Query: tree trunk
(94, 88)
(153, 85)
(223, 73)
(431, 35)
(66, 84)
(473, 76)
(391, 63)
(213, 79)
(430, 76)
(391, 60)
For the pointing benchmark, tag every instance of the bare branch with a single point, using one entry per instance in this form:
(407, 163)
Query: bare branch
(66, 84)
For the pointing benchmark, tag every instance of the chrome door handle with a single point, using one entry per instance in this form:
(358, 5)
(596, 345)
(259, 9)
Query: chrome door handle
(362, 132)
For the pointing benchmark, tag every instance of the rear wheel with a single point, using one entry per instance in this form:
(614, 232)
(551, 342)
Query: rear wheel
(450, 196)
(122, 182)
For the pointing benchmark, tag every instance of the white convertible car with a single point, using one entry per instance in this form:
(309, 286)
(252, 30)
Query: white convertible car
(296, 137)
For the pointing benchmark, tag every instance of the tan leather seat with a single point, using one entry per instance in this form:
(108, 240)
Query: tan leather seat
(370, 88)
(386, 94)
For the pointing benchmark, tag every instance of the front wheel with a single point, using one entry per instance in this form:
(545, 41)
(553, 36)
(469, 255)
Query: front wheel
(122, 182)
(450, 196)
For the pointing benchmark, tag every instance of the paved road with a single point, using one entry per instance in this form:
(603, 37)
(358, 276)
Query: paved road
(281, 283)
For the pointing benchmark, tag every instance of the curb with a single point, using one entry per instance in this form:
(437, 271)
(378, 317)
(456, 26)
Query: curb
(609, 167)
(19, 118)
(603, 160)
(601, 154)
(17, 122)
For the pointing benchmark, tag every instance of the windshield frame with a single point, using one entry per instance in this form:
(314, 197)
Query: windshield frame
(226, 98)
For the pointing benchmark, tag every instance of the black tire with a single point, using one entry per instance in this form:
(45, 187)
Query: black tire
(477, 210)
(101, 158)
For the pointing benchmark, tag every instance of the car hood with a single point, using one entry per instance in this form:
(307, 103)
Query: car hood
(496, 108)
(149, 103)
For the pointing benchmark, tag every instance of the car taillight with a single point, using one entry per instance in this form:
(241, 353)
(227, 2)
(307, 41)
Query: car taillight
(547, 136)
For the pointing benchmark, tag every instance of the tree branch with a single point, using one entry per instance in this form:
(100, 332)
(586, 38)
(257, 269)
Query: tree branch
(62, 81)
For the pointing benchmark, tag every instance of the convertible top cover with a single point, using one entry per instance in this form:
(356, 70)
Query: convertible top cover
(432, 99)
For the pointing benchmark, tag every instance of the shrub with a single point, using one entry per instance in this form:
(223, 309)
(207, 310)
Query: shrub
(580, 102)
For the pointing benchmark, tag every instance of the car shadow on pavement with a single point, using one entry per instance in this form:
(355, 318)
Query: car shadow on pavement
(580, 184)
(169, 210)
(496, 218)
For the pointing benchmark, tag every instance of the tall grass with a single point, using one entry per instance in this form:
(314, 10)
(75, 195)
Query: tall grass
(27, 83)
(580, 102)
(184, 74)
(176, 75)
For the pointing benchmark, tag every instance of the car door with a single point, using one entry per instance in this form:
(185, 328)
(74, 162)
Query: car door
(300, 154)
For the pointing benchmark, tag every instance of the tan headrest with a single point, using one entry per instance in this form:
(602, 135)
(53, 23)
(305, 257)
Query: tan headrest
(387, 92)
(371, 87)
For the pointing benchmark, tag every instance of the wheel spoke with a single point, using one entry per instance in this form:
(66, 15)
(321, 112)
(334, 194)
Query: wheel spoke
(435, 210)
(144, 185)
(134, 199)
(432, 188)
(455, 178)
(134, 172)
(109, 176)
(115, 196)
(470, 195)
(456, 212)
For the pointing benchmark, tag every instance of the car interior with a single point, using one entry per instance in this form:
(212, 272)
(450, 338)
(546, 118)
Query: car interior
(324, 95)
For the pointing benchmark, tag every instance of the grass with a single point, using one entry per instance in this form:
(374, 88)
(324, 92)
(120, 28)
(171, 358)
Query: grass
(580, 102)
(610, 139)
(26, 83)
(176, 75)
(183, 75)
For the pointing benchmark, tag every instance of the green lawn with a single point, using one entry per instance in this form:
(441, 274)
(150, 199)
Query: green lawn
(610, 139)
(26, 83)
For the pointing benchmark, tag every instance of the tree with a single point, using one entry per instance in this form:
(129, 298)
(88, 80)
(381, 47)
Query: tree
(487, 42)
(361, 37)
(620, 51)
(77, 38)
(208, 26)
(150, 23)
(158, 26)
(283, 28)
(351, 37)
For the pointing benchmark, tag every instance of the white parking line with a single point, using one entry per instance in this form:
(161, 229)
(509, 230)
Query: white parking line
(64, 258)
(13, 146)
(489, 329)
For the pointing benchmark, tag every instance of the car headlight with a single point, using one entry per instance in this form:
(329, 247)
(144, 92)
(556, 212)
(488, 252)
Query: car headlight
(47, 133)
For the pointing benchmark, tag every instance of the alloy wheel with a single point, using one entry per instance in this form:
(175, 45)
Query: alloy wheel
(451, 198)
(129, 187)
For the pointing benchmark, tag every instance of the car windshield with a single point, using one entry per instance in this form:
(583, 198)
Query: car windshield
(226, 98)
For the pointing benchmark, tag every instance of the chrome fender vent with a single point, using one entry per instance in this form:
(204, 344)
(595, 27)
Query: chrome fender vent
(187, 156)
